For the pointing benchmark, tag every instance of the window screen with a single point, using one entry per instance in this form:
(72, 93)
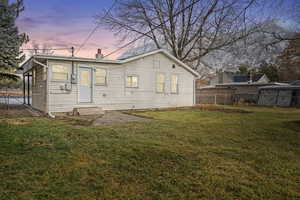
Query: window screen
(132, 81)
(60, 72)
(101, 76)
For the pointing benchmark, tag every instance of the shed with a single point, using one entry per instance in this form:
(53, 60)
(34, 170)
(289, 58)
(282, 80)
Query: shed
(280, 95)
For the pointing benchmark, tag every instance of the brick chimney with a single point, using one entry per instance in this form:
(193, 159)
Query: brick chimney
(99, 54)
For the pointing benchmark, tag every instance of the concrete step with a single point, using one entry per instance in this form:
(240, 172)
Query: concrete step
(88, 111)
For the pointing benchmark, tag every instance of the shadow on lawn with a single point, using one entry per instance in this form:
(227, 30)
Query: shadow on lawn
(293, 125)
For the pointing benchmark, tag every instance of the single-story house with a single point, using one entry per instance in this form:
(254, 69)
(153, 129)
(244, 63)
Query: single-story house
(152, 80)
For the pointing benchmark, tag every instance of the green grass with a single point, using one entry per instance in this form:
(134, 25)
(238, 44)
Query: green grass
(183, 154)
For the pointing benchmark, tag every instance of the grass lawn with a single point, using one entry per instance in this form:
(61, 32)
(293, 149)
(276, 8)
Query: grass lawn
(183, 154)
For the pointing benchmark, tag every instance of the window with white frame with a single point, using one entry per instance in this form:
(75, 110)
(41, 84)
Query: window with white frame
(60, 73)
(174, 84)
(160, 83)
(101, 76)
(132, 81)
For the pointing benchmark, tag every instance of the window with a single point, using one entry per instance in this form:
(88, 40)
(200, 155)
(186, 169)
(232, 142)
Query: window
(101, 76)
(160, 83)
(132, 81)
(174, 84)
(60, 73)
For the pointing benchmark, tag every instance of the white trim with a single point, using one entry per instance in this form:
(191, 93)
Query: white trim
(168, 55)
(177, 85)
(64, 58)
(95, 76)
(156, 82)
(132, 75)
(39, 63)
(92, 85)
(58, 80)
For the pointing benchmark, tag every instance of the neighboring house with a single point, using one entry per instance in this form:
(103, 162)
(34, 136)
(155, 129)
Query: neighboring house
(152, 80)
(222, 77)
(201, 83)
(234, 77)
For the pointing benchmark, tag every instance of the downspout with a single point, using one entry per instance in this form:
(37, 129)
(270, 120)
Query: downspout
(194, 91)
(51, 115)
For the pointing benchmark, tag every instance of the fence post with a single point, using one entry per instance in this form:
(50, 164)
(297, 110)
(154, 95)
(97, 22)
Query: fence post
(24, 90)
(215, 99)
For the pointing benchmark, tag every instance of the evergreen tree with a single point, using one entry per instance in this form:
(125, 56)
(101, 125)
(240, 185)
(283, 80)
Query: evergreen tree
(270, 70)
(10, 39)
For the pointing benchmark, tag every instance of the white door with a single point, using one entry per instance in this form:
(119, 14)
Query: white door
(85, 85)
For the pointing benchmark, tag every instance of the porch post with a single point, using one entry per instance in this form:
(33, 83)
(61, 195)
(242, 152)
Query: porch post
(24, 90)
(28, 90)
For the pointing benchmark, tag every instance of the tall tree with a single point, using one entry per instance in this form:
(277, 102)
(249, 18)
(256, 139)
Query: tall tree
(202, 26)
(289, 61)
(270, 70)
(10, 38)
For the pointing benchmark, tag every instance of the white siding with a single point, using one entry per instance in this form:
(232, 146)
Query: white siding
(115, 95)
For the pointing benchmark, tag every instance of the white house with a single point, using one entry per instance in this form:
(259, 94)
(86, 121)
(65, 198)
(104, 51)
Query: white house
(151, 80)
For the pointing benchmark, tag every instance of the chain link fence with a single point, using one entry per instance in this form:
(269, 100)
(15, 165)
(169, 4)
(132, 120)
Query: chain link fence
(12, 97)
(284, 100)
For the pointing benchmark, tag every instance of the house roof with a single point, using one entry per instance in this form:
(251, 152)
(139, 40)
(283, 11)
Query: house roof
(246, 77)
(285, 86)
(122, 61)
(250, 84)
(280, 87)
(212, 87)
(296, 82)
(257, 77)
(237, 78)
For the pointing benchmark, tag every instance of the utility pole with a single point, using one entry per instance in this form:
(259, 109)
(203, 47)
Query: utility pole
(73, 70)
(72, 50)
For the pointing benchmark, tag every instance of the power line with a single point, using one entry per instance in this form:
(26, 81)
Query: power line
(96, 27)
(35, 49)
(152, 29)
(56, 49)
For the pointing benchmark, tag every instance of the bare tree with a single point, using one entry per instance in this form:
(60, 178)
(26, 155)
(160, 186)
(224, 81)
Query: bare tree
(288, 13)
(203, 26)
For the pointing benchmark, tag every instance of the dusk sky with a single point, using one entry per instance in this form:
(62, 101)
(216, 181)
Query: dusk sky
(66, 23)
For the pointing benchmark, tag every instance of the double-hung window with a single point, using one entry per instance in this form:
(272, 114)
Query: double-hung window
(132, 81)
(160, 83)
(174, 84)
(101, 76)
(60, 73)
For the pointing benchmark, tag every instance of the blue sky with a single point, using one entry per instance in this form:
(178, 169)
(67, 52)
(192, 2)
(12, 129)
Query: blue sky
(66, 23)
